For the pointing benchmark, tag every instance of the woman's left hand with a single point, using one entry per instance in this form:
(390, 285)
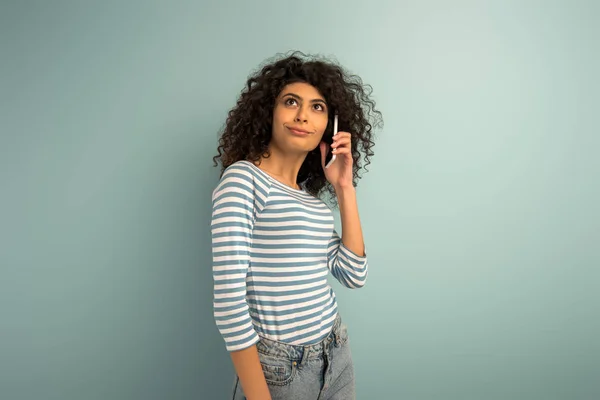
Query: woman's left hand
(340, 173)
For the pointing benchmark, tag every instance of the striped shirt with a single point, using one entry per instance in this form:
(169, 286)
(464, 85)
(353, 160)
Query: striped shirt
(272, 248)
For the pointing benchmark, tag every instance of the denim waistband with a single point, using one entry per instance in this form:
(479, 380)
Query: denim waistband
(299, 353)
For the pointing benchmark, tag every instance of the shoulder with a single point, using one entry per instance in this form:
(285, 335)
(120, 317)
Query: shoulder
(239, 167)
(246, 170)
(242, 176)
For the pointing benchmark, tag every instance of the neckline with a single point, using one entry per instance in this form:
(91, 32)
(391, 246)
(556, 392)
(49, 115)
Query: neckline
(271, 178)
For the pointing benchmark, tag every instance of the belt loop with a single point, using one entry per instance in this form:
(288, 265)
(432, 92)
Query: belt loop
(305, 351)
(337, 328)
(331, 338)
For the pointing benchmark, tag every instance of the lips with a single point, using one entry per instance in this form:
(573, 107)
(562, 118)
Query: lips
(298, 131)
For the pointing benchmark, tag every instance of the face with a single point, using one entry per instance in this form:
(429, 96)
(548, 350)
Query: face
(299, 118)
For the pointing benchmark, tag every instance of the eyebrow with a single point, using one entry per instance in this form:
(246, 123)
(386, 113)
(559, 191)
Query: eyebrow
(319, 100)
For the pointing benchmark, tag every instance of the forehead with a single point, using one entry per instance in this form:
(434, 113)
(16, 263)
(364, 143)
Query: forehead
(304, 90)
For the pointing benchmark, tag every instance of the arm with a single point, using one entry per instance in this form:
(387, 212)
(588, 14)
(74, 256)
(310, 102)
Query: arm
(347, 259)
(248, 369)
(352, 235)
(236, 200)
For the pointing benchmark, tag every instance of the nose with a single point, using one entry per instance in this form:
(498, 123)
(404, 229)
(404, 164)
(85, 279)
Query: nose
(301, 115)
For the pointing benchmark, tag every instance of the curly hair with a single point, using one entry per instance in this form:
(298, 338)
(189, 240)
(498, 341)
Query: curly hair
(247, 130)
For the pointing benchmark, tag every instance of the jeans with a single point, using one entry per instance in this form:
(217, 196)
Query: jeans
(322, 371)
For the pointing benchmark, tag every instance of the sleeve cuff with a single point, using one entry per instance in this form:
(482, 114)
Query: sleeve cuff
(352, 255)
(243, 344)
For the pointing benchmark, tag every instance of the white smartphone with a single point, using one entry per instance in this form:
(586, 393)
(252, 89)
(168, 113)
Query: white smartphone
(335, 131)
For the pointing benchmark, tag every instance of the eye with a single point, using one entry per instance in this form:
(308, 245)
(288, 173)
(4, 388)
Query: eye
(290, 101)
(319, 107)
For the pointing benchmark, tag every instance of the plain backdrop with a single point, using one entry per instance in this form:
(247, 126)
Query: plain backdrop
(480, 209)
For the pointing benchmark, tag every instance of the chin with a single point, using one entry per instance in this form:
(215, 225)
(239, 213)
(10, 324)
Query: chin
(301, 150)
(295, 144)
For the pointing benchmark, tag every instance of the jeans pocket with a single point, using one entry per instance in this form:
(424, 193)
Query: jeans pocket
(277, 371)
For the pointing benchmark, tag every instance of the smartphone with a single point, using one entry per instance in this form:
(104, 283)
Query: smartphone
(331, 157)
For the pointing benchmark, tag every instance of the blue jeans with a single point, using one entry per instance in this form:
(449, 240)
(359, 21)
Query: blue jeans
(322, 371)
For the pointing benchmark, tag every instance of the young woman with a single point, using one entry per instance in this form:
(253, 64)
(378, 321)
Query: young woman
(273, 237)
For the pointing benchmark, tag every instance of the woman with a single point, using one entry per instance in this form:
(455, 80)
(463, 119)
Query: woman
(273, 237)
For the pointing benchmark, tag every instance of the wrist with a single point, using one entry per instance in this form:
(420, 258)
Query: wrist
(344, 190)
(345, 196)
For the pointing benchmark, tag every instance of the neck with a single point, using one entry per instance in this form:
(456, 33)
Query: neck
(283, 166)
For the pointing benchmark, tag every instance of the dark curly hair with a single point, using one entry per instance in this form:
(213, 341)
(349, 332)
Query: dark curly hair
(247, 131)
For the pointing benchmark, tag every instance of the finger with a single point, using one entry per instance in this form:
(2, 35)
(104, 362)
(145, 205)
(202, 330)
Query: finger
(341, 142)
(342, 135)
(341, 150)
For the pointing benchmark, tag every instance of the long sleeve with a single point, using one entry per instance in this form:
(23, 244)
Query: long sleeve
(347, 267)
(236, 201)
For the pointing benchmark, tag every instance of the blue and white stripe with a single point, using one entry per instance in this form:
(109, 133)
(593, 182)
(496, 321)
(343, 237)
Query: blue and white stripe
(273, 247)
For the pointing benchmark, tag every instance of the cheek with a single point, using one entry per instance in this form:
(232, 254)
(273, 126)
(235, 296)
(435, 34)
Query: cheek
(320, 134)
(278, 120)
(281, 117)
(276, 116)
(321, 125)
